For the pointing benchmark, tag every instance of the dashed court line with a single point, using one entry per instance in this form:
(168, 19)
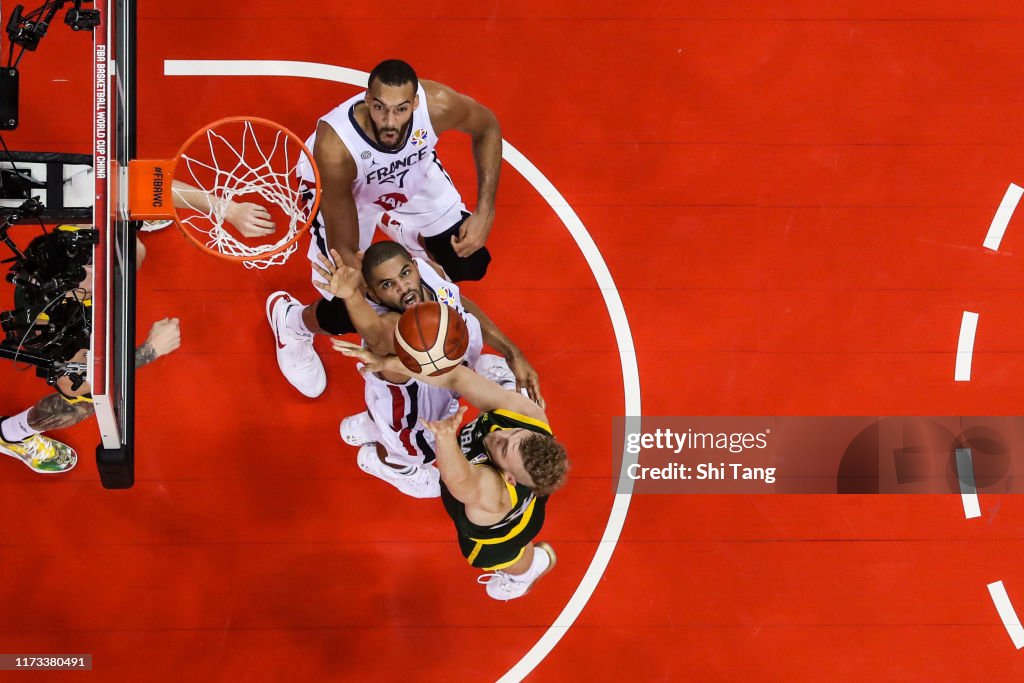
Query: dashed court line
(1006, 613)
(965, 347)
(968, 489)
(1002, 217)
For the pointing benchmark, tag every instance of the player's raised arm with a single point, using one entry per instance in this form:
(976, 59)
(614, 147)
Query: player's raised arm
(452, 110)
(337, 172)
(484, 394)
(462, 480)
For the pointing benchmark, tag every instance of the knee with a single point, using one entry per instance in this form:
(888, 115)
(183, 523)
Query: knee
(471, 268)
(333, 318)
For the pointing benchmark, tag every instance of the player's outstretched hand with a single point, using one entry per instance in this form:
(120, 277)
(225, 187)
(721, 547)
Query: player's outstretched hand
(526, 378)
(448, 427)
(472, 235)
(371, 362)
(252, 220)
(341, 280)
(164, 337)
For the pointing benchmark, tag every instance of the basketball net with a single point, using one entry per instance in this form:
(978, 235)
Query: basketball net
(234, 160)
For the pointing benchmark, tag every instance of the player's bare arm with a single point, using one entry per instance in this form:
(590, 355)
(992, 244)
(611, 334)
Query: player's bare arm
(346, 283)
(478, 488)
(449, 110)
(54, 412)
(525, 374)
(337, 171)
(478, 390)
(251, 220)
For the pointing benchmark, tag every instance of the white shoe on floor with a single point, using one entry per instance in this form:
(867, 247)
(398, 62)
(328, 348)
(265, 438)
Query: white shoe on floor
(357, 430)
(504, 586)
(496, 369)
(296, 356)
(419, 482)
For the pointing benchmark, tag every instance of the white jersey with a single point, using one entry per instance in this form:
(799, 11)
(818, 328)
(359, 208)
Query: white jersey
(446, 292)
(396, 409)
(406, 191)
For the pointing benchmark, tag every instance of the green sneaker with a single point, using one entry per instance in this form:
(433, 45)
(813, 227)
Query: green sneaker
(41, 454)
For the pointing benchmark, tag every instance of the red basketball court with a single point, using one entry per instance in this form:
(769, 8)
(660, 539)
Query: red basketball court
(791, 201)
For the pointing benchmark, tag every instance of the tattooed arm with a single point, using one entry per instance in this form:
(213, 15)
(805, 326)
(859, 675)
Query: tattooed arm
(164, 337)
(54, 412)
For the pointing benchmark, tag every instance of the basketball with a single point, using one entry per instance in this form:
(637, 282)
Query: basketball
(431, 338)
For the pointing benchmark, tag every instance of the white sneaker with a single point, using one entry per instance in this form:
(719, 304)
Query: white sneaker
(153, 226)
(496, 369)
(357, 430)
(422, 482)
(504, 586)
(296, 356)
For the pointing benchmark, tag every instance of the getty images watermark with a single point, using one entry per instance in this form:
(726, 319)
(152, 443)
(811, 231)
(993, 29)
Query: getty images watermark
(815, 454)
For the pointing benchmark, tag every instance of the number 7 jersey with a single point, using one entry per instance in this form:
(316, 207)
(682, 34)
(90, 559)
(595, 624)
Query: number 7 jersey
(409, 182)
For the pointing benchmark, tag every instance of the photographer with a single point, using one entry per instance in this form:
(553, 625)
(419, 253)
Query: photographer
(57, 326)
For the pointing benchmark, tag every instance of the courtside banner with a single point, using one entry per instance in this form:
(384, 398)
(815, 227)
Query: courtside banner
(758, 455)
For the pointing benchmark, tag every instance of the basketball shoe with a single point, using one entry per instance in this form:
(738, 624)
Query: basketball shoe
(153, 226)
(418, 482)
(504, 586)
(41, 454)
(296, 356)
(496, 369)
(357, 430)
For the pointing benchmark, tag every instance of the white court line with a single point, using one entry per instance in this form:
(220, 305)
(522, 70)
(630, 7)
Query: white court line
(1006, 613)
(965, 347)
(616, 311)
(1002, 217)
(968, 489)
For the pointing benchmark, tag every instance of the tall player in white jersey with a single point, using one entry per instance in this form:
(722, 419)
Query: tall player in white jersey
(379, 169)
(394, 445)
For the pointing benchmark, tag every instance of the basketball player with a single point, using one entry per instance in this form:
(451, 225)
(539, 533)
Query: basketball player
(496, 474)
(21, 434)
(379, 169)
(394, 445)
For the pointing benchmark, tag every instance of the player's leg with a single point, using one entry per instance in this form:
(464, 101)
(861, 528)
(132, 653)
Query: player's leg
(21, 434)
(393, 444)
(514, 580)
(295, 325)
(458, 269)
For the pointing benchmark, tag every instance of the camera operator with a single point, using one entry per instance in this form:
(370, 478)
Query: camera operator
(21, 434)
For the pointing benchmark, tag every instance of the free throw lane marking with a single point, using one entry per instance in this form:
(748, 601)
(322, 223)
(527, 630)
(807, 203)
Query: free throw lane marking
(586, 244)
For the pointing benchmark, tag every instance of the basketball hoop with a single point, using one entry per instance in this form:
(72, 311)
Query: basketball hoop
(233, 160)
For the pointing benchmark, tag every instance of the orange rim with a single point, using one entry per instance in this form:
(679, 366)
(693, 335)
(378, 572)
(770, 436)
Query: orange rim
(173, 211)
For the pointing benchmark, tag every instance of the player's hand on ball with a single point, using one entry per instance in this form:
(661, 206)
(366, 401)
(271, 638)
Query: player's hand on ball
(448, 427)
(251, 220)
(164, 336)
(371, 362)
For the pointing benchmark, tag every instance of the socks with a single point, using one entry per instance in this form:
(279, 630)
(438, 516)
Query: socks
(293, 321)
(541, 560)
(15, 428)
